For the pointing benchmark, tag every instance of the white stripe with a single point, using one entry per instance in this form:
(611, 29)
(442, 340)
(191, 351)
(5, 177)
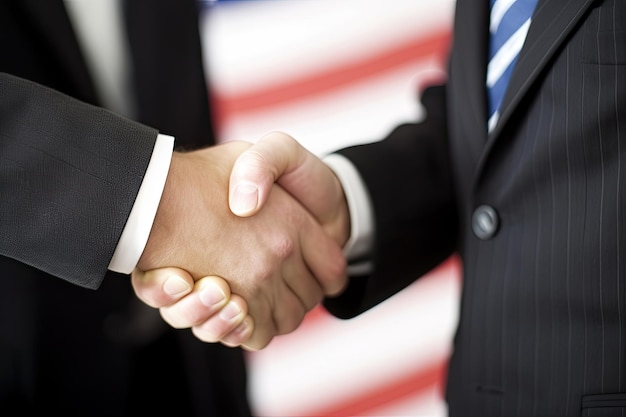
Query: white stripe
(506, 54)
(234, 26)
(500, 7)
(493, 121)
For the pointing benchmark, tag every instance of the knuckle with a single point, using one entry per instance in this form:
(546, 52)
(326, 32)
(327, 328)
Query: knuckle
(283, 246)
(291, 323)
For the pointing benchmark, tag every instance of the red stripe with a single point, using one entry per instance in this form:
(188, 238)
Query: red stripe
(434, 46)
(412, 385)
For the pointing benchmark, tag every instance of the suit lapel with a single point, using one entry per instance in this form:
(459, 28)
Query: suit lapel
(471, 37)
(552, 22)
(52, 20)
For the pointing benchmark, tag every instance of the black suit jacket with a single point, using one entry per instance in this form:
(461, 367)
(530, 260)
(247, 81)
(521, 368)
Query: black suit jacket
(542, 327)
(63, 347)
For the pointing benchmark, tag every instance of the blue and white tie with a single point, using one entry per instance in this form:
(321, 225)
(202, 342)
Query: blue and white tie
(510, 20)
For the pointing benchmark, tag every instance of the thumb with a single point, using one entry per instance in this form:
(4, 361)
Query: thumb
(277, 157)
(161, 287)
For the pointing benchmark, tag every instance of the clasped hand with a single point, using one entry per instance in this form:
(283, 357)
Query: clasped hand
(247, 239)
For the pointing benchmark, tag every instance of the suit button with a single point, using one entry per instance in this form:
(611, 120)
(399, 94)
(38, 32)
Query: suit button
(485, 222)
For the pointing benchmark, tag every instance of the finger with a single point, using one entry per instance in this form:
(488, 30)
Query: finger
(277, 157)
(209, 295)
(299, 294)
(264, 328)
(161, 287)
(241, 334)
(274, 315)
(303, 284)
(325, 258)
(225, 322)
(284, 315)
(295, 271)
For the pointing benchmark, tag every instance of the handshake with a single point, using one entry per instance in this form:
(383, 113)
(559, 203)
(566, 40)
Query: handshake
(247, 239)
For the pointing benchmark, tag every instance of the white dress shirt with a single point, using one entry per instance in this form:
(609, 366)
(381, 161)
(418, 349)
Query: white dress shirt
(359, 246)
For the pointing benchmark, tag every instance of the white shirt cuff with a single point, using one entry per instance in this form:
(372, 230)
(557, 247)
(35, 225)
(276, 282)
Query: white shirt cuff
(135, 234)
(361, 239)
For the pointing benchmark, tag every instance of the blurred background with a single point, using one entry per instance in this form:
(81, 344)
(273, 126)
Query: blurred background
(334, 73)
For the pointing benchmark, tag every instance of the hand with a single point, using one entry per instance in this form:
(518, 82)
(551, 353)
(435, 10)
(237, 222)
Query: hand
(278, 158)
(206, 305)
(279, 260)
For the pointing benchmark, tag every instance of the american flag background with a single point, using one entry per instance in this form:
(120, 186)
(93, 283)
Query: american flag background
(333, 73)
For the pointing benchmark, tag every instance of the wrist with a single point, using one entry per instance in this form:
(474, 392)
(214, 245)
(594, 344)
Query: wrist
(163, 226)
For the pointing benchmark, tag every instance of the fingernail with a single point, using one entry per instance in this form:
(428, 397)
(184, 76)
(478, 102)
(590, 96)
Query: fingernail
(175, 285)
(242, 328)
(212, 295)
(245, 198)
(231, 311)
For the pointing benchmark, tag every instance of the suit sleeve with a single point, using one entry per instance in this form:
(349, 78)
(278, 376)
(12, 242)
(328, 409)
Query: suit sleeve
(69, 175)
(409, 180)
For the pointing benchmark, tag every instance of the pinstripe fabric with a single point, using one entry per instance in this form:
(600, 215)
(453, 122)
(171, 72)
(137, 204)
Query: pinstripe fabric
(543, 314)
(544, 303)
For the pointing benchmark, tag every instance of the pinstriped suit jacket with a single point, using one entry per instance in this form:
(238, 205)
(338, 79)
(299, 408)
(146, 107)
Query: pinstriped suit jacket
(542, 329)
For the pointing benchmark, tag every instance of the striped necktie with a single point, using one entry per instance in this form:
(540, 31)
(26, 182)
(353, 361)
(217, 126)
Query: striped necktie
(510, 20)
